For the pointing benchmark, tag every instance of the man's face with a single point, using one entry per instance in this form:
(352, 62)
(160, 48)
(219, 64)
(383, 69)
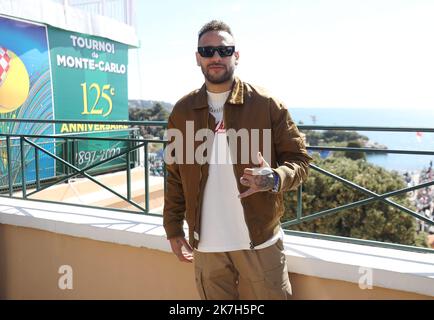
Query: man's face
(217, 69)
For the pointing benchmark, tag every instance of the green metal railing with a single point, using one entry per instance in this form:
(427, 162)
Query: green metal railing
(373, 197)
(69, 143)
(134, 144)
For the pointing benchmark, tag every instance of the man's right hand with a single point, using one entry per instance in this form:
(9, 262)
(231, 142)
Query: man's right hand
(177, 244)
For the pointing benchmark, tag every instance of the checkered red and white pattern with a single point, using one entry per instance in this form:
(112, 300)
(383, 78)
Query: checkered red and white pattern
(4, 64)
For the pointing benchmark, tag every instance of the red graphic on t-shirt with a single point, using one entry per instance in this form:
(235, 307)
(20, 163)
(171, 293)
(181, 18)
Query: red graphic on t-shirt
(220, 127)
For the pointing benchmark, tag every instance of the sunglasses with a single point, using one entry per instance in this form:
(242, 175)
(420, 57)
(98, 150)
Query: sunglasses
(208, 52)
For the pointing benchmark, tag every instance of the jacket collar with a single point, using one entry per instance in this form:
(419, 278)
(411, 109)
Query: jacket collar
(235, 97)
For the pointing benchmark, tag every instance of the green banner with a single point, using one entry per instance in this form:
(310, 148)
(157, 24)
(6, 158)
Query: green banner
(91, 83)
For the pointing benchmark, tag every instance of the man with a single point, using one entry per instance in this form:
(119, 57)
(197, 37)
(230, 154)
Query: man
(232, 207)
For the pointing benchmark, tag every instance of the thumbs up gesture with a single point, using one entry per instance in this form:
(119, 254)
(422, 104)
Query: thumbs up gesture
(258, 179)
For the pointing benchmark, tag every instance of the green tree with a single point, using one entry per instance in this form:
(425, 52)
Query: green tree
(156, 113)
(354, 155)
(333, 137)
(342, 136)
(375, 221)
(159, 113)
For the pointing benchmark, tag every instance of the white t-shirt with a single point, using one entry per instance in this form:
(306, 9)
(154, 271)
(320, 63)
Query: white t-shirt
(223, 226)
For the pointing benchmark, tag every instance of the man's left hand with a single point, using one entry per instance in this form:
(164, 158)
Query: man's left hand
(258, 179)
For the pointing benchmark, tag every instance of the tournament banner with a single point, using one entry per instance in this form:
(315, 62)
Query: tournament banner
(91, 83)
(48, 73)
(25, 93)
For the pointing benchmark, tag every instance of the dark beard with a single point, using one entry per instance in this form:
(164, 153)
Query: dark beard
(226, 76)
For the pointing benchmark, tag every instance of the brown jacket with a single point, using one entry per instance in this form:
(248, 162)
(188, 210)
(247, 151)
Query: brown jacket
(247, 107)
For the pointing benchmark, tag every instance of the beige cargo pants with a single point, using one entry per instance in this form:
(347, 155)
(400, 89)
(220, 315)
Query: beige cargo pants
(246, 274)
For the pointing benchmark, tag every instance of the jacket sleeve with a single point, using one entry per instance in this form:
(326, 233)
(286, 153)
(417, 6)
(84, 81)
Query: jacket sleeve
(174, 201)
(291, 154)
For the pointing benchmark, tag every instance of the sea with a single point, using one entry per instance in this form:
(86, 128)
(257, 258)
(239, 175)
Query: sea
(404, 117)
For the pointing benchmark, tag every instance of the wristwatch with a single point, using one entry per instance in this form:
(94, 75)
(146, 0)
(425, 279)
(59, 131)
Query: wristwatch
(267, 171)
(276, 182)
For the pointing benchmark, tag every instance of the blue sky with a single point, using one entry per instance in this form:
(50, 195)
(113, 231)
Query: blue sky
(308, 53)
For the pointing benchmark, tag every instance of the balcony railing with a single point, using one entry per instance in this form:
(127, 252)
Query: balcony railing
(15, 149)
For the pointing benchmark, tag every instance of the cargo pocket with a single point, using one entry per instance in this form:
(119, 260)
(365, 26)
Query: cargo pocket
(277, 285)
(199, 282)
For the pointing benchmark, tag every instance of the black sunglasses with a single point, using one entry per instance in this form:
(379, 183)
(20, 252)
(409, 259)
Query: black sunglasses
(208, 52)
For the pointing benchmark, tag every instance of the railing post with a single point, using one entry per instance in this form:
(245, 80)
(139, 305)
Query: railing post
(8, 157)
(65, 156)
(38, 183)
(146, 167)
(23, 168)
(164, 169)
(299, 202)
(136, 152)
(128, 175)
(73, 150)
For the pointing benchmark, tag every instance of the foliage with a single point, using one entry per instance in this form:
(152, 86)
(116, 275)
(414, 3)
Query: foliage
(353, 155)
(156, 113)
(147, 104)
(375, 221)
(333, 137)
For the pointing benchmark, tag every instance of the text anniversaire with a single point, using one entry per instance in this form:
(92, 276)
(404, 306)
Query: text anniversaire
(80, 127)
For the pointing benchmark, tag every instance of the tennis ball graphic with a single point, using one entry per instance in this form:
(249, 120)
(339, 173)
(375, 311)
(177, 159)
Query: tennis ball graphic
(14, 81)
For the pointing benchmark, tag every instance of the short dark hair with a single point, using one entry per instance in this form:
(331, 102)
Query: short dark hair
(214, 25)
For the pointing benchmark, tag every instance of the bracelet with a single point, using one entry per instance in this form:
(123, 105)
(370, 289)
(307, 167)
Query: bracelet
(276, 182)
